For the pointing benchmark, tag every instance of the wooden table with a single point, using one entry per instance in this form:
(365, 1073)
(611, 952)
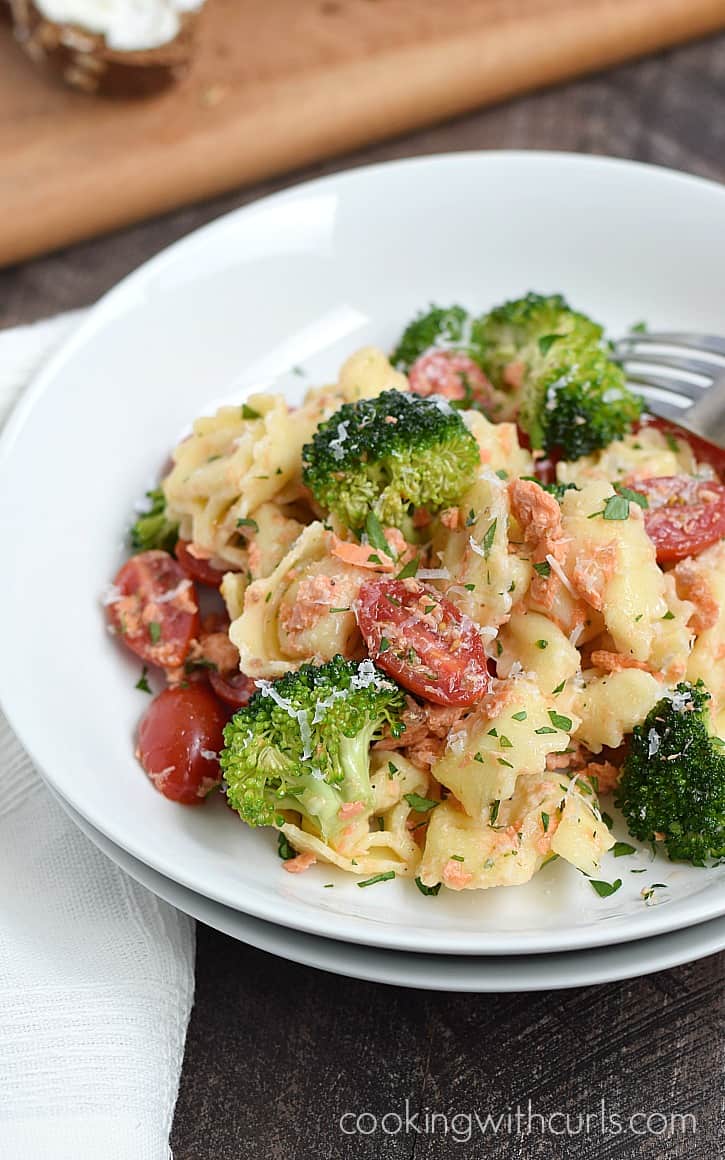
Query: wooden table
(276, 1053)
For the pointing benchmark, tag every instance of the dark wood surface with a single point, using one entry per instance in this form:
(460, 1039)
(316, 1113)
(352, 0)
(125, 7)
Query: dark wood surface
(276, 1053)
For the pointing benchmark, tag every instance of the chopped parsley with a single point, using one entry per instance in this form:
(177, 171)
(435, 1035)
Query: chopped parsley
(520, 716)
(633, 496)
(616, 508)
(563, 723)
(408, 570)
(155, 631)
(376, 536)
(429, 891)
(543, 569)
(487, 541)
(604, 889)
(378, 878)
(421, 804)
(559, 688)
(284, 849)
(249, 412)
(246, 523)
(623, 849)
(542, 644)
(545, 822)
(647, 892)
(142, 683)
(495, 807)
(384, 644)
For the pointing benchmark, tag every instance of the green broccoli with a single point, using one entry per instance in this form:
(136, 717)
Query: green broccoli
(303, 743)
(569, 396)
(673, 778)
(451, 328)
(390, 455)
(153, 529)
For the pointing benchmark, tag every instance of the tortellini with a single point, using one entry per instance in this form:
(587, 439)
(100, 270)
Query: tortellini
(472, 543)
(499, 445)
(533, 642)
(645, 453)
(610, 706)
(545, 815)
(511, 734)
(301, 612)
(702, 581)
(612, 563)
(232, 463)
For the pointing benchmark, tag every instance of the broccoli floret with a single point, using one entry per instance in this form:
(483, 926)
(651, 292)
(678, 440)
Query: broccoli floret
(303, 743)
(571, 398)
(153, 529)
(450, 328)
(673, 779)
(390, 455)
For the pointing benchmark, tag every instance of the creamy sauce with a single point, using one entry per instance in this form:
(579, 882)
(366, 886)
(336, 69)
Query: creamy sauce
(127, 25)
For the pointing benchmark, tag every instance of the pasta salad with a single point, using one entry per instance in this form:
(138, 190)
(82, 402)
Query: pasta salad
(423, 622)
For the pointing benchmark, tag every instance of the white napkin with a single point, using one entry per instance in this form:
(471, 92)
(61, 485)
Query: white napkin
(96, 973)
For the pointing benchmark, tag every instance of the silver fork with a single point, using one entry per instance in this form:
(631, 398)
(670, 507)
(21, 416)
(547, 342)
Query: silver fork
(680, 376)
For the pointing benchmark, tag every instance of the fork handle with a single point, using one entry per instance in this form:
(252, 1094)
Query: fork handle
(707, 416)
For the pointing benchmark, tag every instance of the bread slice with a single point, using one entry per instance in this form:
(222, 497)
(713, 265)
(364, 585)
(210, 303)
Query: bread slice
(84, 60)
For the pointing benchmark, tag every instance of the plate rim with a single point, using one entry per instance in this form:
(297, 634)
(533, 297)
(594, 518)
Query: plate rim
(388, 967)
(659, 920)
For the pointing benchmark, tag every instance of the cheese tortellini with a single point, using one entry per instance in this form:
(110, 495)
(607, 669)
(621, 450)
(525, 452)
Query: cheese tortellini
(302, 612)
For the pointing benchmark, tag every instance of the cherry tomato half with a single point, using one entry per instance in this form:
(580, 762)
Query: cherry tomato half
(179, 739)
(199, 570)
(155, 612)
(451, 374)
(420, 638)
(685, 515)
(233, 689)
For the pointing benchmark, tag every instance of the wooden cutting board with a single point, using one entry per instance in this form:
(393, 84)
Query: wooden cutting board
(280, 83)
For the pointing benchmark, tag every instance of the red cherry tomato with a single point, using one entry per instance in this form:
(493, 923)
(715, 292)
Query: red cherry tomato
(451, 374)
(685, 515)
(179, 740)
(233, 689)
(420, 638)
(155, 612)
(199, 570)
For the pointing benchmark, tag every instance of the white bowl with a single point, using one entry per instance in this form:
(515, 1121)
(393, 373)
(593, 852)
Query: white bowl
(302, 278)
(473, 973)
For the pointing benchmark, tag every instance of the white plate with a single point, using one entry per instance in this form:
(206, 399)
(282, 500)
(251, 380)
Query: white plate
(429, 972)
(303, 278)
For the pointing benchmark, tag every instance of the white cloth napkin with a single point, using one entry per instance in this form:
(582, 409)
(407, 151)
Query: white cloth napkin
(96, 973)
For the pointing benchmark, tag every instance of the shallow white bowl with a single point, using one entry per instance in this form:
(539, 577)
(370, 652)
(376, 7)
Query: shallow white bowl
(301, 279)
(472, 973)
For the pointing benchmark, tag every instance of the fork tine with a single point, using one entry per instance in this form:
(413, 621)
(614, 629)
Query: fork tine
(663, 403)
(665, 385)
(693, 366)
(702, 343)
